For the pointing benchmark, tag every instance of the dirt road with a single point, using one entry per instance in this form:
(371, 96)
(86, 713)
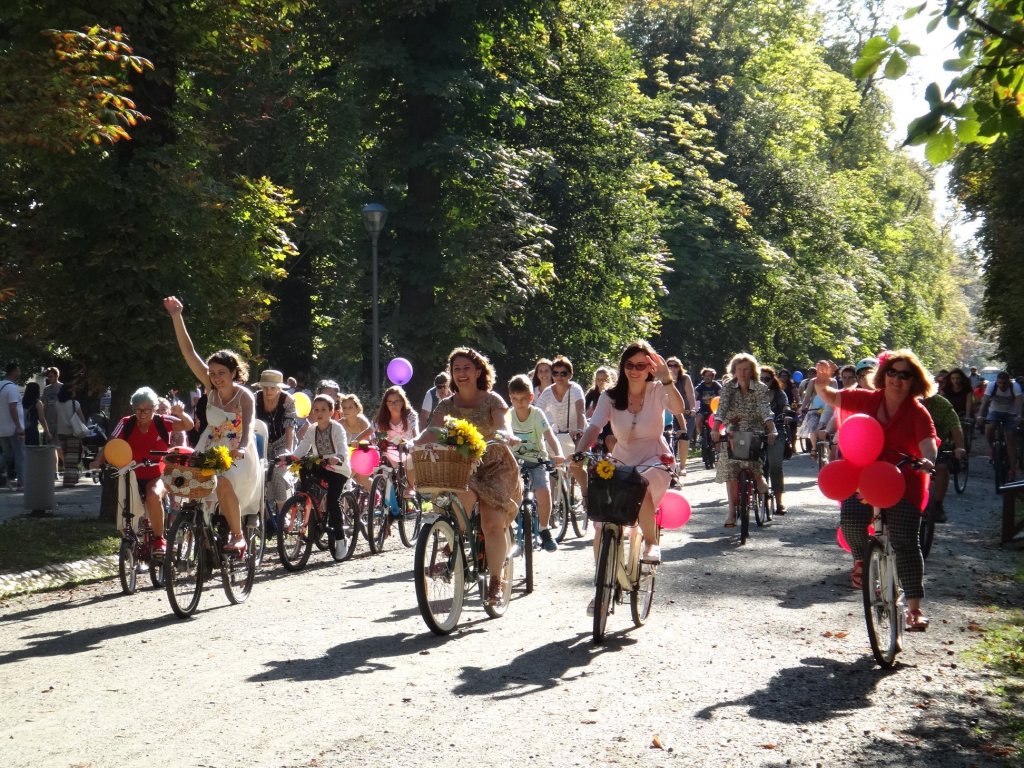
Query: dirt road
(754, 655)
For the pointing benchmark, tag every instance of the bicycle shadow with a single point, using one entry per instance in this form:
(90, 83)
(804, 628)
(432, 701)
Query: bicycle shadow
(361, 657)
(818, 690)
(70, 604)
(65, 643)
(539, 669)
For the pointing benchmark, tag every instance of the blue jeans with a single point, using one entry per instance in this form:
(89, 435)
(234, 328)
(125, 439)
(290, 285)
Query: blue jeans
(12, 451)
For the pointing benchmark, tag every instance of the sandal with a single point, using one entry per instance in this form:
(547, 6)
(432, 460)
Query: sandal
(917, 621)
(779, 509)
(857, 575)
(235, 545)
(730, 523)
(495, 594)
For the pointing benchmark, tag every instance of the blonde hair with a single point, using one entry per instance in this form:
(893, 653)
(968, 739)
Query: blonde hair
(744, 357)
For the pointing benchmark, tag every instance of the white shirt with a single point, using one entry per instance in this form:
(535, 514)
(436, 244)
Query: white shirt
(562, 414)
(10, 394)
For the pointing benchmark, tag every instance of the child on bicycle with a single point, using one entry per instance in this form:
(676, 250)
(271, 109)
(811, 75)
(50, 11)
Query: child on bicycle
(326, 438)
(531, 426)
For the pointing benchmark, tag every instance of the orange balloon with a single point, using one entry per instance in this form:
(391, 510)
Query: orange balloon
(118, 452)
(714, 404)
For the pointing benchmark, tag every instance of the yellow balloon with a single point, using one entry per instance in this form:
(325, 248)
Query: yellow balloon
(118, 452)
(302, 404)
(714, 404)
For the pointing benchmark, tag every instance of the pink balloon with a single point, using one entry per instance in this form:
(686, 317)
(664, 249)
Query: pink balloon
(861, 439)
(881, 484)
(674, 510)
(400, 371)
(841, 540)
(838, 479)
(711, 421)
(871, 529)
(364, 460)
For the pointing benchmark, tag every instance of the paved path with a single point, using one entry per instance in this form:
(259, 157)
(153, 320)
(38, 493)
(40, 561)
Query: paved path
(754, 656)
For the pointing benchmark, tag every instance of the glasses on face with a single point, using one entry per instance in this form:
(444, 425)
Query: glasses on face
(901, 373)
(393, 403)
(673, 365)
(766, 379)
(560, 374)
(630, 366)
(141, 411)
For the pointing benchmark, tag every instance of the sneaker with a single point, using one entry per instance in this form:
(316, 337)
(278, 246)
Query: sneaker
(159, 547)
(652, 554)
(547, 542)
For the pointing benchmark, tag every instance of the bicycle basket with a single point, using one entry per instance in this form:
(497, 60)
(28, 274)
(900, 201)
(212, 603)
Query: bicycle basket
(617, 499)
(189, 482)
(745, 446)
(441, 468)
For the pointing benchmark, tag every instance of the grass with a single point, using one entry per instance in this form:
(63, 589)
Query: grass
(31, 543)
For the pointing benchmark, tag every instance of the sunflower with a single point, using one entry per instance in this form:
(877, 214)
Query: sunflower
(604, 469)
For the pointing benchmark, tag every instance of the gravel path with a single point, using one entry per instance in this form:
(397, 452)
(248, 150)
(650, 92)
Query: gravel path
(754, 656)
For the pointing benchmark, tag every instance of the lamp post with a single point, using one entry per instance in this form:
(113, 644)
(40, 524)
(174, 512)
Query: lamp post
(374, 216)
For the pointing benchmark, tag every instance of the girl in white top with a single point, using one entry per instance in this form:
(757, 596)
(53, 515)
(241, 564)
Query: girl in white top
(326, 437)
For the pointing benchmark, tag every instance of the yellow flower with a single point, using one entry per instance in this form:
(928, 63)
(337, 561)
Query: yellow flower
(605, 469)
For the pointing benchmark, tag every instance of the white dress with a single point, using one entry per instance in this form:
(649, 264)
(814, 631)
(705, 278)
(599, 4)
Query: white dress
(224, 427)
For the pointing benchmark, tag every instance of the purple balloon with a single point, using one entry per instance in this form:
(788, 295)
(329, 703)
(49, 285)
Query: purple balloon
(400, 371)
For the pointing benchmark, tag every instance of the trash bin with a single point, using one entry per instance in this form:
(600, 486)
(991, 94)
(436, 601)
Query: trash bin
(40, 470)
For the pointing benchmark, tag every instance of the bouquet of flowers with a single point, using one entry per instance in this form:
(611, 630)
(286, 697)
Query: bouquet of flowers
(306, 463)
(216, 459)
(193, 475)
(463, 436)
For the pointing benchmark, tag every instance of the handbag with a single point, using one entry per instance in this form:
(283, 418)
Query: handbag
(745, 446)
(78, 428)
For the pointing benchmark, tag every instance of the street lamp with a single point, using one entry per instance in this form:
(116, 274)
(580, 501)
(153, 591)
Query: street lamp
(374, 216)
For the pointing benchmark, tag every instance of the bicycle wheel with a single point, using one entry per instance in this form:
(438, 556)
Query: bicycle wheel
(508, 569)
(963, 471)
(761, 508)
(926, 535)
(999, 464)
(293, 540)
(576, 511)
(821, 453)
(707, 450)
(411, 519)
(883, 605)
(259, 540)
(743, 508)
(156, 572)
(605, 584)
(184, 566)
(126, 567)
(239, 573)
(560, 511)
(342, 541)
(380, 512)
(642, 598)
(524, 540)
(439, 576)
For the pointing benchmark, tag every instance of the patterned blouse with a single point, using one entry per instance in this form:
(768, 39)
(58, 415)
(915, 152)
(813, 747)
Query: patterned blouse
(752, 407)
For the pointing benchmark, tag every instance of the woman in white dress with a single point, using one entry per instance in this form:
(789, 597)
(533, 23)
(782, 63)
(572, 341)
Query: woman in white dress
(229, 416)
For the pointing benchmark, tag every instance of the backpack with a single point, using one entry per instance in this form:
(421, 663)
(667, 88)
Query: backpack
(129, 427)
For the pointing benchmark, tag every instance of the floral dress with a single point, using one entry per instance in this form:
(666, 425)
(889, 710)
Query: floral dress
(496, 480)
(754, 410)
(224, 427)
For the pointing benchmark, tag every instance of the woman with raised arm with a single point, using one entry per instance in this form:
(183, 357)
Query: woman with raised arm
(899, 381)
(229, 415)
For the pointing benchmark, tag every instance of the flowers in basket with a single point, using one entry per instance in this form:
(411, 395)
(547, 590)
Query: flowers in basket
(463, 436)
(306, 463)
(604, 469)
(216, 459)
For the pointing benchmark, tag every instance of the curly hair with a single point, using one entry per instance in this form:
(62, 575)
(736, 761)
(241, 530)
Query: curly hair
(233, 362)
(485, 380)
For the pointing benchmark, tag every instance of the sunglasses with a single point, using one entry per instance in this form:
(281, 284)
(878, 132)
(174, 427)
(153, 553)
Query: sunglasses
(893, 373)
(560, 374)
(635, 366)
(766, 378)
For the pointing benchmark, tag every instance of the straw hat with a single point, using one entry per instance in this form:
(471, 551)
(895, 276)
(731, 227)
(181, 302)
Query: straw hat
(272, 378)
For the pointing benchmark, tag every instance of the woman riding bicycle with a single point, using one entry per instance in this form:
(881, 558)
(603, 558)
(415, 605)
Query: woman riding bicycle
(743, 406)
(276, 409)
(496, 483)
(682, 421)
(900, 380)
(704, 393)
(957, 389)
(230, 410)
(635, 407)
(779, 404)
(396, 424)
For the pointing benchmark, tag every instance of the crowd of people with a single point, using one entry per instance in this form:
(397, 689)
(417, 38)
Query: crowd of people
(640, 412)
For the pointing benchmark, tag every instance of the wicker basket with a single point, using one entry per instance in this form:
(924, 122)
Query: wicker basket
(189, 482)
(441, 468)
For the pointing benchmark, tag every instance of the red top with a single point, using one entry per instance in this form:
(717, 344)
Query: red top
(903, 434)
(144, 442)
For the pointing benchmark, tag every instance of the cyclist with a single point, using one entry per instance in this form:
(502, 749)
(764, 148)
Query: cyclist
(326, 438)
(352, 419)
(635, 406)
(779, 404)
(537, 443)
(682, 421)
(1002, 403)
(901, 380)
(541, 376)
(145, 431)
(437, 393)
(704, 393)
(603, 378)
(396, 424)
(949, 433)
(276, 409)
(957, 390)
(744, 406)
(496, 483)
(829, 423)
(563, 404)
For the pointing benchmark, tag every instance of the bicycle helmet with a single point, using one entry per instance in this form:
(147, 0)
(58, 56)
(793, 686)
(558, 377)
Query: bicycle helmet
(865, 364)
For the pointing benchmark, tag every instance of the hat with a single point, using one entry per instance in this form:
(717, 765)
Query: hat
(865, 364)
(271, 378)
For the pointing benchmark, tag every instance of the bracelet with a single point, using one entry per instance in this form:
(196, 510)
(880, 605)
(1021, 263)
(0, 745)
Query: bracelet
(667, 382)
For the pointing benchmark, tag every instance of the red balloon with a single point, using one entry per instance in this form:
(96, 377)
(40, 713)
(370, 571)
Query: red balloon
(841, 540)
(861, 439)
(674, 510)
(838, 479)
(711, 421)
(882, 484)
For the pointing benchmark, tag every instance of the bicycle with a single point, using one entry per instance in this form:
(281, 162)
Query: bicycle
(303, 520)
(747, 496)
(765, 509)
(885, 608)
(960, 469)
(449, 559)
(620, 572)
(389, 494)
(527, 525)
(1000, 458)
(708, 453)
(566, 504)
(822, 452)
(136, 539)
(194, 551)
